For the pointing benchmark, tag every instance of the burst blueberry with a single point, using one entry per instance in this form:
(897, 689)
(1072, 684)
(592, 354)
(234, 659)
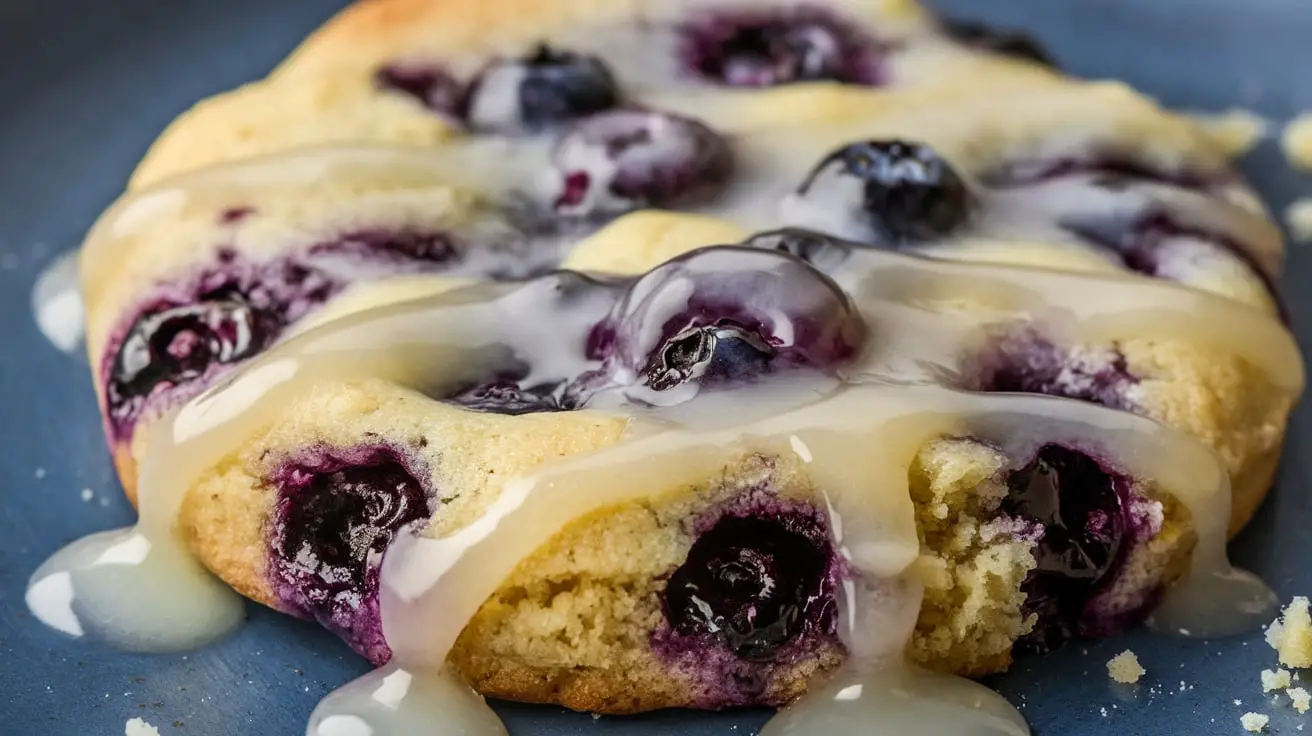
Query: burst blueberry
(755, 584)
(1079, 506)
(755, 48)
(335, 516)
(627, 159)
(177, 344)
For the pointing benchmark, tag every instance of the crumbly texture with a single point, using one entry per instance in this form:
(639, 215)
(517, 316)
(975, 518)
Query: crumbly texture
(1300, 699)
(1125, 668)
(1291, 634)
(1254, 722)
(1297, 141)
(1273, 680)
(1298, 218)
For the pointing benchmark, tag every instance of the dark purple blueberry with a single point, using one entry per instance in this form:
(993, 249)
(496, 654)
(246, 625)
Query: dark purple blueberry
(507, 396)
(430, 84)
(823, 252)
(628, 159)
(545, 88)
(1024, 361)
(335, 517)
(886, 191)
(726, 314)
(755, 48)
(176, 344)
(1078, 504)
(1009, 43)
(755, 584)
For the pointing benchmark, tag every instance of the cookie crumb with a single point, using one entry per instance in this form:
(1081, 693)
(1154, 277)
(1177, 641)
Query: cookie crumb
(139, 727)
(1254, 722)
(1125, 668)
(1297, 141)
(1291, 634)
(1300, 699)
(1298, 217)
(1235, 131)
(1275, 680)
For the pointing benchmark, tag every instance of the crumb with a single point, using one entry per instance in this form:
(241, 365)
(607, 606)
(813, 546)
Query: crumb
(1298, 217)
(1300, 699)
(139, 727)
(1235, 131)
(88, 494)
(40, 473)
(1291, 634)
(1125, 668)
(1254, 722)
(1297, 141)
(1277, 680)
(1104, 712)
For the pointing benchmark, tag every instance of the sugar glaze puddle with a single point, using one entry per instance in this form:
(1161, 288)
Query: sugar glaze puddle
(57, 303)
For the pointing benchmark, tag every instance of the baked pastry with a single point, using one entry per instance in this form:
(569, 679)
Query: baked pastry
(850, 161)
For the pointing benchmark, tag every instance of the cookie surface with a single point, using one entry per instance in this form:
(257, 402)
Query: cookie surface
(410, 148)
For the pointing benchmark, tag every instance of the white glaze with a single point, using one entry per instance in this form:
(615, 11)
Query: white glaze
(57, 303)
(854, 437)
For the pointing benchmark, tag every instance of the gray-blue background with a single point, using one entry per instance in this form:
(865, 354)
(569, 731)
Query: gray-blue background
(84, 87)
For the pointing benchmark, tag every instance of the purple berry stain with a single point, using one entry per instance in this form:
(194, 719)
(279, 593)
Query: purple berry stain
(621, 160)
(335, 515)
(756, 590)
(753, 47)
(1081, 509)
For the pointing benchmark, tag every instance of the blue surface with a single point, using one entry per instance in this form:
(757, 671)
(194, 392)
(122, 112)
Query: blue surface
(86, 86)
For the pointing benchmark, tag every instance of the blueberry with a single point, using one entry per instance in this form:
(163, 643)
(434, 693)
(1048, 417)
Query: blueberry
(823, 252)
(1009, 43)
(335, 517)
(545, 88)
(887, 191)
(763, 49)
(1078, 505)
(175, 344)
(431, 85)
(727, 314)
(1027, 362)
(626, 159)
(755, 584)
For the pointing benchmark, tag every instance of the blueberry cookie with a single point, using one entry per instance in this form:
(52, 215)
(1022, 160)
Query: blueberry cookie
(720, 589)
(766, 283)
